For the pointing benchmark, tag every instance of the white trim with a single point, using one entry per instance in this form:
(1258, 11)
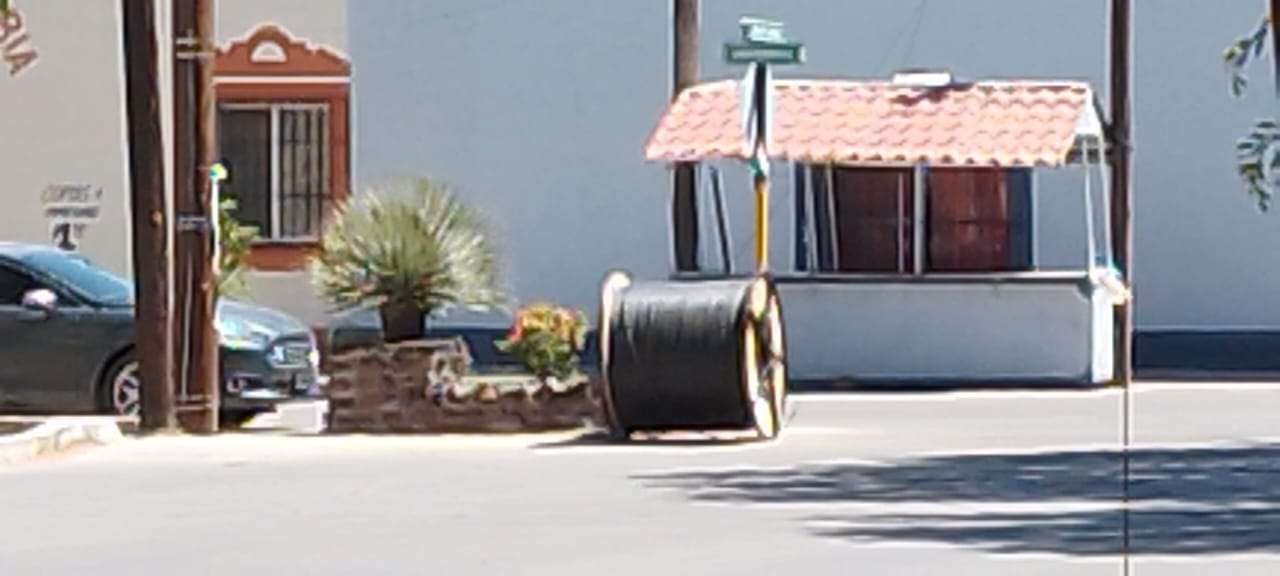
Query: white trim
(220, 80)
(1105, 176)
(1091, 249)
(310, 46)
(791, 182)
(832, 223)
(918, 239)
(811, 221)
(275, 172)
(902, 217)
(1089, 124)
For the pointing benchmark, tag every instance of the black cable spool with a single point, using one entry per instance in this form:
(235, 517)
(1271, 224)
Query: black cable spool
(699, 354)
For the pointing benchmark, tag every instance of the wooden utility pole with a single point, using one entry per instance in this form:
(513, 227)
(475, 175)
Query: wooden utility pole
(1121, 58)
(1122, 196)
(684, 197)
(194, 154)
(150, 226)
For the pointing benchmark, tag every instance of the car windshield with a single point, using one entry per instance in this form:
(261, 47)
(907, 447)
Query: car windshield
(78, 272)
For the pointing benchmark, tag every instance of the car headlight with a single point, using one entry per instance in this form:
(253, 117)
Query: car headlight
(293, 355)
(241, 336)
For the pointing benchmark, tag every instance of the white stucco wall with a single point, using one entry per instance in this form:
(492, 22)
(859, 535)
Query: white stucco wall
(62, 122)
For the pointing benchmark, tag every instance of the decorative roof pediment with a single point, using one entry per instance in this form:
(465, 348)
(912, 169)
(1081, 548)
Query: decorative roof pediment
(270, 50)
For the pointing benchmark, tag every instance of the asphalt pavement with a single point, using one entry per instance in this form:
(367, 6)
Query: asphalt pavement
(930, 483)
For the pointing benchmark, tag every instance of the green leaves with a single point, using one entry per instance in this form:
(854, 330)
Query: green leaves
(410, 242)
(547, 338)
(234, 242)
(1241, 52)
(1257, 160)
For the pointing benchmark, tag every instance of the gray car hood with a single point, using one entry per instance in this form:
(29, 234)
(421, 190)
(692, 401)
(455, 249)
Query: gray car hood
(273, 323)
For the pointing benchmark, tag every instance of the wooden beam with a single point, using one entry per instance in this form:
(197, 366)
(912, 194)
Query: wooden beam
(194, 153)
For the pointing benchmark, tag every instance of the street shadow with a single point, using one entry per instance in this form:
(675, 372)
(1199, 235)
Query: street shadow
(599, 438)
(1185, 501)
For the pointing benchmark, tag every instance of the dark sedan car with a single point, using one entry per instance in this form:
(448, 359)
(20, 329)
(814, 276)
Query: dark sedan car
(67, 329)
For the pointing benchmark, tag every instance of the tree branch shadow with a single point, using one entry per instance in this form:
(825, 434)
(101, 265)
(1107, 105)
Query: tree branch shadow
(1185, 501)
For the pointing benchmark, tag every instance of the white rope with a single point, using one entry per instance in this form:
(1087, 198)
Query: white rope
(1106, 199)
(1090, 247)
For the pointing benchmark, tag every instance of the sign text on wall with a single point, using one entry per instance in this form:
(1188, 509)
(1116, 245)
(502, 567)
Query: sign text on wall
(70, 209)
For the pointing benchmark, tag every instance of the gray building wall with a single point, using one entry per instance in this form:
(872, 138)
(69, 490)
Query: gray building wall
(537, 113)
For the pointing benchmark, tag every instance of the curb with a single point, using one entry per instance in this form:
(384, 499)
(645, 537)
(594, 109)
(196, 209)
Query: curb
(56, 435)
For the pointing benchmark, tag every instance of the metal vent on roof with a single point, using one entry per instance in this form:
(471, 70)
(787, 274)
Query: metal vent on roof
(923, 78)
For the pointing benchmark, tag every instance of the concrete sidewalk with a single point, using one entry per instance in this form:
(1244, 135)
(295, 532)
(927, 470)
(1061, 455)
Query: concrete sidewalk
(41, 436)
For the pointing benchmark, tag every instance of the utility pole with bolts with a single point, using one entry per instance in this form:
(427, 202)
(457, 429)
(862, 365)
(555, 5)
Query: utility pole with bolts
(684, 183)
(150, 226)
(1121, 129)
(196, 341)
(1121, 159)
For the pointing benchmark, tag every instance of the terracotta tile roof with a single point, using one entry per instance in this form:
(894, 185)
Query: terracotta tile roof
(1007, 123)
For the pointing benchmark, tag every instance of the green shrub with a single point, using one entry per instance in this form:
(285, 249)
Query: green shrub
(546, 339)
(234, 243)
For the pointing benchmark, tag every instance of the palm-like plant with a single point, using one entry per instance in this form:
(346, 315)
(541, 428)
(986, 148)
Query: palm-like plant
(410, 248)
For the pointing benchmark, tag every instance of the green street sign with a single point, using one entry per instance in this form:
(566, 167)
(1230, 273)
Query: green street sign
(788, 53)
(761, 31)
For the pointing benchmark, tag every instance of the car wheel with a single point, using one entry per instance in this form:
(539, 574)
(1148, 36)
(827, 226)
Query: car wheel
(123, 387)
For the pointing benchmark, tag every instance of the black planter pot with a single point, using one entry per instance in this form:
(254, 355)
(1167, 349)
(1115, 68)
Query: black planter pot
(402, 322)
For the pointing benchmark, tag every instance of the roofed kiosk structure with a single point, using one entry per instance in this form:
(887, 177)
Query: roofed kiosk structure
(914, 224)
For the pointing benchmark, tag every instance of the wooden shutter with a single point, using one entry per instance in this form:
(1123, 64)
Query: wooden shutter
(968, 220)
(873, 209)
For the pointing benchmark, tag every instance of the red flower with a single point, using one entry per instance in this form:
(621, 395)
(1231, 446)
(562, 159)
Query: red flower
(517, 328)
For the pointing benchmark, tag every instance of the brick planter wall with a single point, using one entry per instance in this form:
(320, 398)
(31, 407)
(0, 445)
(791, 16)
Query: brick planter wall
(418, 387)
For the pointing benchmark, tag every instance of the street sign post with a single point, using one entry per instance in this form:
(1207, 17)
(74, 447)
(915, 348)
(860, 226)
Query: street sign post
(762, 43)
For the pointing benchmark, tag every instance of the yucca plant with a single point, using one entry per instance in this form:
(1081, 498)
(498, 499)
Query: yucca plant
(409, 248)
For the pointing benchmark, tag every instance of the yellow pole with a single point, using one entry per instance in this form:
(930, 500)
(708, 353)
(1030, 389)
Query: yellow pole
(762, 222)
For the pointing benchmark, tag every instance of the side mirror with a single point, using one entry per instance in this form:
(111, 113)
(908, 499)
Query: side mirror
(40, 300)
